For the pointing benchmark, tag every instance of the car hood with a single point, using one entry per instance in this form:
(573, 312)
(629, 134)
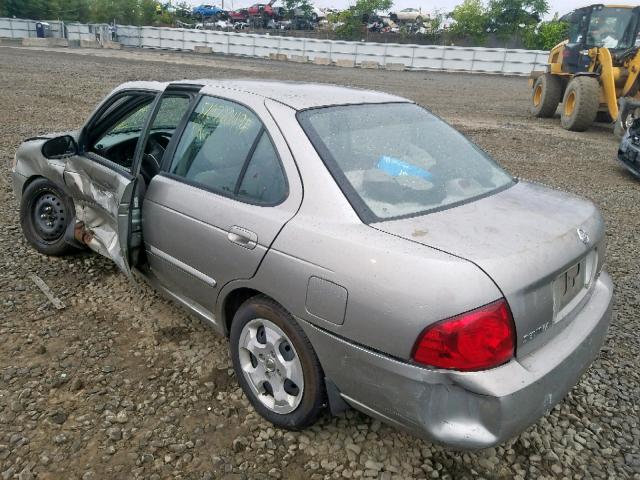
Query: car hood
(523, 237)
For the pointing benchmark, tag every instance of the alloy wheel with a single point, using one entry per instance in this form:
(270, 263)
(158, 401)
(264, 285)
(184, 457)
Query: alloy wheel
(271, 366)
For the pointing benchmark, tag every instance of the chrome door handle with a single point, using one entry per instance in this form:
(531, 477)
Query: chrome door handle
(243, 237)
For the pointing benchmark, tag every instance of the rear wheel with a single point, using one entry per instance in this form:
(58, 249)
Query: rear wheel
(547, 93)
(580, 104)
(45, 213)
(276, 365)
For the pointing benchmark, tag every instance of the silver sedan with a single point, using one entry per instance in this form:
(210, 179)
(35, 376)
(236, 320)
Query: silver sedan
(355, 249)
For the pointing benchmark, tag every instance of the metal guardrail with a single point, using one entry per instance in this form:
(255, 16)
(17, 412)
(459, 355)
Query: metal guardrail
(412, 57)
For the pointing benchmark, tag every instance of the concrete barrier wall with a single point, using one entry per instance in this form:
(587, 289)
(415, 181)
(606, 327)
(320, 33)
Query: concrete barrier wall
(324, 52)
(413, 57)
(22, 28)
(88, 33)
(17, 28)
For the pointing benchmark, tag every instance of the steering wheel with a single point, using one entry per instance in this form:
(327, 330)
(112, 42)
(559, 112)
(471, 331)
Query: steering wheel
(152, 157)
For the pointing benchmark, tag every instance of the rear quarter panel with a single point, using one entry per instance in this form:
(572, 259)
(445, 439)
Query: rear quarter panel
(395, 287)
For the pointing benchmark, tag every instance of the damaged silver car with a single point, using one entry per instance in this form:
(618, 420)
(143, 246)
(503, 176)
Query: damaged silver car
(355, 249)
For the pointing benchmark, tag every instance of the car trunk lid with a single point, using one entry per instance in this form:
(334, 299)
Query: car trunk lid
(542, 248)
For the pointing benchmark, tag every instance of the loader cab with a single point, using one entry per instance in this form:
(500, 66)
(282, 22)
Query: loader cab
(599, 26)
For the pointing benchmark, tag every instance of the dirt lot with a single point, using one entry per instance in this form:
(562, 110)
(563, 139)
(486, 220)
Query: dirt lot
(122, 384)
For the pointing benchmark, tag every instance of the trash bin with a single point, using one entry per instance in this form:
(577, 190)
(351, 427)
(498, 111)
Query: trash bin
(43, 30)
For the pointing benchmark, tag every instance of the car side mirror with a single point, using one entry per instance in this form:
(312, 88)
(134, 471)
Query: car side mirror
(60, 147)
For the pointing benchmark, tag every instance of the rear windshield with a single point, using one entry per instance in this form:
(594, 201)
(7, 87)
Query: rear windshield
(398, 160)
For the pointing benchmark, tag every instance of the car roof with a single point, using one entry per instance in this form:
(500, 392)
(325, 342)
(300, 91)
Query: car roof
(297, 95)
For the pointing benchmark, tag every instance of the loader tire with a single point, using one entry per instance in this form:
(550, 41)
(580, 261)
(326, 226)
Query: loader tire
(580, 104)
(547, 94)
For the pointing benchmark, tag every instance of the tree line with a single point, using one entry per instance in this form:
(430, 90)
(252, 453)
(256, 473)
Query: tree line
(509, 18)
(130, 12)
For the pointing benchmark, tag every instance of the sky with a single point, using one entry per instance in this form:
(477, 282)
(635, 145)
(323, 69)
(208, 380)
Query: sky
(561, 6)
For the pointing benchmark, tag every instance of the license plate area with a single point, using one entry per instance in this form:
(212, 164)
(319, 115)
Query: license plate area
(567, 286)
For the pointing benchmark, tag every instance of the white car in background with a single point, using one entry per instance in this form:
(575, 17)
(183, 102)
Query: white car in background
(316, 14)
(407, 15)
(224, 25)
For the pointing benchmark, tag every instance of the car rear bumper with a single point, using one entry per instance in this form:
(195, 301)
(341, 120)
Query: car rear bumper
(467, 410)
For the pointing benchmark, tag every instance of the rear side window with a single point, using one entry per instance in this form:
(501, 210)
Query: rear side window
(226, 149)
(263, 181)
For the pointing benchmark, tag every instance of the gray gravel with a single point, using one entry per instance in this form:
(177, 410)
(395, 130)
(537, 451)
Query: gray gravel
(122, 384)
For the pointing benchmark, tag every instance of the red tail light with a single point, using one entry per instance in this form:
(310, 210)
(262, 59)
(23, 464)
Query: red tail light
(477, 340)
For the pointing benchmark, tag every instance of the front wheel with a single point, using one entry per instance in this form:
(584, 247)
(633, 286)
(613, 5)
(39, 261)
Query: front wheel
(580, 104)
(276, 365)
(546, 96)
(45, 213)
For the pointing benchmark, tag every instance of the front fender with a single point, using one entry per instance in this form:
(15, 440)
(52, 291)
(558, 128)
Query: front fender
(30, 163)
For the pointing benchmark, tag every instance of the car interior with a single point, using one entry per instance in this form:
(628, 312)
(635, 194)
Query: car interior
(212, 152)
(116, 133)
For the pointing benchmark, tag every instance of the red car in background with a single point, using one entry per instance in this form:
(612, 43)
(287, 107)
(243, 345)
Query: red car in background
(261, 9)
(240, 15)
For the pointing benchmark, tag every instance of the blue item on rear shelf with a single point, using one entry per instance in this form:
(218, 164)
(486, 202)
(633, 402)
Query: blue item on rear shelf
(397, 168)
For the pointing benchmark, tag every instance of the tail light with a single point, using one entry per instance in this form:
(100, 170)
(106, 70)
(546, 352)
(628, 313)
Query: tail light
(477, 340)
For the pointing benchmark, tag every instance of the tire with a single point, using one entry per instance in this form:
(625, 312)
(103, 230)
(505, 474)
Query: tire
(46, 234)
(580, 104)
(256, 375)
(546, 96)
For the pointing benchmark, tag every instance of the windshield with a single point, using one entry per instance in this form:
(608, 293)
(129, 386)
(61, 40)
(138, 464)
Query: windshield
(612, 27)
(397, 160)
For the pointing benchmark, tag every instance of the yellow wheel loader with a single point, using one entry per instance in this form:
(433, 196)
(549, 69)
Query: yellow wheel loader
(594, 73)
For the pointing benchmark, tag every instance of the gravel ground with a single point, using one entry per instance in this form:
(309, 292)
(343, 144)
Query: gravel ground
(122, 384)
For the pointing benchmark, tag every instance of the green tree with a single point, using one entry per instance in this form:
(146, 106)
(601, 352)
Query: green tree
(471, 19)
(546, 35)
(35, 9)
(304, 6)
(69, 10)
(355, 17)
(150, 12)
(136, 12)
(507, 17)
(125, 12)
(434, 22)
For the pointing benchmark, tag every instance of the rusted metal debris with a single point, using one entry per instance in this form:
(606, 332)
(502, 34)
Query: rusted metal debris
(82, 234)
(55, 301)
